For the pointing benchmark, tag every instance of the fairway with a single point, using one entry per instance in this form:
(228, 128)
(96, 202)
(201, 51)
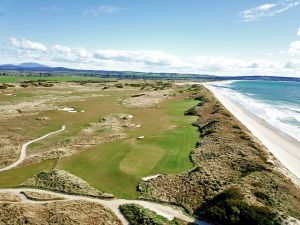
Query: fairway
(117, 167)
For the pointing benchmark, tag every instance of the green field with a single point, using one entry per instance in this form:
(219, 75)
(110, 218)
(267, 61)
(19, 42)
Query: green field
(66, 78)
(117, 167)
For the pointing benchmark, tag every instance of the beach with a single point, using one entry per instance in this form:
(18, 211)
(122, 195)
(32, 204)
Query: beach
(283, 147)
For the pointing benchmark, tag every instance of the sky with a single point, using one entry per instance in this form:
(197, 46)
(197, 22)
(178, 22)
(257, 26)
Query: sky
(232, 37)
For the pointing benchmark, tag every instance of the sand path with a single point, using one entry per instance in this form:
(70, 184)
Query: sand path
(24, 148)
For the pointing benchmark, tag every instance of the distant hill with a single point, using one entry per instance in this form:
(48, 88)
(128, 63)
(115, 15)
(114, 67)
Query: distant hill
(56, 71)
(32, 65)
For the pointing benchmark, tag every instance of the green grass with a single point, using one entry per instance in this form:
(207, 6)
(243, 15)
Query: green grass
(117, 167)
(66, 78)
(17, 176)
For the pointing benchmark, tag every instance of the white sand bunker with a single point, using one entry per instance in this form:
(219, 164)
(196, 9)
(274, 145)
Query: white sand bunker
(150, 177)
(68, 109)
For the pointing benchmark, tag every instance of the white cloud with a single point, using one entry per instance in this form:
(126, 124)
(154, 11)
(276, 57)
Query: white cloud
(143, 60)
(146, 57)
(222, 64)
(294, 47)
(267, 10)
(298, 33)
(103, 9)
(28, 45)
(293, 64)
(62, 49)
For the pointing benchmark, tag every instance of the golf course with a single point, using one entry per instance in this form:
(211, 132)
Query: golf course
(118, 166)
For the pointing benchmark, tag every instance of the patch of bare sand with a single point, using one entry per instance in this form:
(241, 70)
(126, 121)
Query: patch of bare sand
(147, 99)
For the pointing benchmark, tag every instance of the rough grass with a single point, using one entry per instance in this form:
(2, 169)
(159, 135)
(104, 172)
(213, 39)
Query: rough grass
(59, 212)
(117, 167)
(137, 215)
(61, 181)
(230, 207)
(17, 176)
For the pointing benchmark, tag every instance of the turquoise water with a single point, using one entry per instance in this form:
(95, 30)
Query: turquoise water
(278, 103)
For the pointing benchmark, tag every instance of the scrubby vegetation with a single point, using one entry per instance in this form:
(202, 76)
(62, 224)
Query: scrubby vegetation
(61, 181)
(60, 212)
(230, 207)
(137, 215)
(38, 83)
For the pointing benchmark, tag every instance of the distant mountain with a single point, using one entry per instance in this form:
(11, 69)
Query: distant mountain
(31, 65)
(34, 67)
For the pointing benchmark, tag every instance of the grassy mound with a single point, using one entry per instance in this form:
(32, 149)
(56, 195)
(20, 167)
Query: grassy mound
(137, 215)
(61, 181)
(230, 207)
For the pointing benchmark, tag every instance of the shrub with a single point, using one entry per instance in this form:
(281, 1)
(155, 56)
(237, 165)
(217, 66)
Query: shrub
(209, 131)
(119, 85)
(137, 215)
(137, 95)
(266, 199)
(230, 207)
(244, 137)
(236, 127)
(248, 168)
(24, 85)
(226, 114)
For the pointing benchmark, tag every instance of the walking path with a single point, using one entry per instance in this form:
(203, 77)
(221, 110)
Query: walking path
(24, 148)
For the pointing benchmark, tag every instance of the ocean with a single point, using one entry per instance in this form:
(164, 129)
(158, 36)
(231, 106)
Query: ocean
(278, 103)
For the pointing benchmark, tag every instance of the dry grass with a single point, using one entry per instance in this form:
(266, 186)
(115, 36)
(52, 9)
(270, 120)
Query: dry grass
(61, 212)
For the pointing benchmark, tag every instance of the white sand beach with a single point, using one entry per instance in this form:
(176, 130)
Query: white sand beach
(283, 147)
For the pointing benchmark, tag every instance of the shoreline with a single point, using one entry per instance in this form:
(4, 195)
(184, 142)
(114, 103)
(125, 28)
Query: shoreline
(285, 149)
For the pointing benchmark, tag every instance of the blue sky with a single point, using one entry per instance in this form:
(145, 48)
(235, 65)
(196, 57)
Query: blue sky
(195, 36)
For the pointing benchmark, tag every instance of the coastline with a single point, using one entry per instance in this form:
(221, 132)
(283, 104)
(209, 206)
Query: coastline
(285, 149)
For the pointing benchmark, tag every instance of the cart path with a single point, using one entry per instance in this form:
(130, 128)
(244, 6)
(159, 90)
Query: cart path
(24, 149)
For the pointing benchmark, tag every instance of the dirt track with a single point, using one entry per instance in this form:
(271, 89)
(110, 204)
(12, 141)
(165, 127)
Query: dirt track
(24, 148)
